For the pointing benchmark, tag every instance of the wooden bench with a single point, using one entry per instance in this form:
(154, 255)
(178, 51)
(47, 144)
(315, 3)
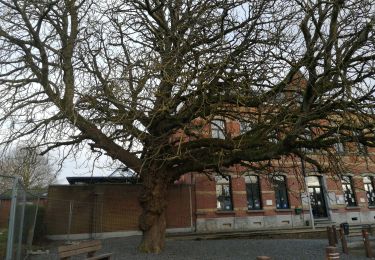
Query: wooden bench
(85, 247)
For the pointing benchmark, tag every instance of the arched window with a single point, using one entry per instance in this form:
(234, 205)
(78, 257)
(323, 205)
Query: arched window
(224, 193)
(281, 193)
(218, 128)
(347, 187)
(368, 182)
(254, 201)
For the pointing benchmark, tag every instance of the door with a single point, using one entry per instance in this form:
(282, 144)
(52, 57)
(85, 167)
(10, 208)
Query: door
(316, 193)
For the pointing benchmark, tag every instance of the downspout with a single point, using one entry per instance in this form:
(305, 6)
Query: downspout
(192, 181)
(191, 208)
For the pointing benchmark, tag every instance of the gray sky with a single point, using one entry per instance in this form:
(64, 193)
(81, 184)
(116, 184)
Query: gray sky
(81, 166)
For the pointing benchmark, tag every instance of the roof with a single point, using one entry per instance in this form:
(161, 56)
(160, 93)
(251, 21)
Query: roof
(94, 180)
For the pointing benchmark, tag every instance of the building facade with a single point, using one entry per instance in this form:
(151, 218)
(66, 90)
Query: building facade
(240, 199)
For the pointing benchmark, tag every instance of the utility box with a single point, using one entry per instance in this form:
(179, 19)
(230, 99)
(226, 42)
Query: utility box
(345, 227)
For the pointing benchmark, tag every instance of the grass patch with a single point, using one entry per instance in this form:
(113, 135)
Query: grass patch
(3, 242)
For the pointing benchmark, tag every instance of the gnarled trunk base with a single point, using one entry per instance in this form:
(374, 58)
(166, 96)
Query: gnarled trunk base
(153, 240)
(152, 222)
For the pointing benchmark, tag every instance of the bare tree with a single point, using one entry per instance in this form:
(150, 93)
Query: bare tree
(33, 170)
(141, 80)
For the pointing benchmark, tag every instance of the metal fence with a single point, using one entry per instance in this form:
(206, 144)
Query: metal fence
(19, 209)
(105, 210)
(73, 219)
(75, 212)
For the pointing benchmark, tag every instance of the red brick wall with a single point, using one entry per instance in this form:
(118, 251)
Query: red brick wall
(206, 194)
(5, 210)
(206, 197)
(4, 213)
(109, 208)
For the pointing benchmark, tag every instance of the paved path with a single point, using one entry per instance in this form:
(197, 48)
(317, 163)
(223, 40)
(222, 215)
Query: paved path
(288, 249)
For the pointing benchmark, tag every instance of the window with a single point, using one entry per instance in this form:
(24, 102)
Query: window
(281, 193)
(298, 97)
(280, 96)
(218, 129)
(362, 149)
(339, 148)
(224, 193)
(253, 192)
(308, 137)
(368, 182)
(274, 136)
(244, 127)
(348, 190)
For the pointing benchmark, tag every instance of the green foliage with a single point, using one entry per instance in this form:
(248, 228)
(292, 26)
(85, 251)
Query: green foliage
(3, 242)
(39, 230)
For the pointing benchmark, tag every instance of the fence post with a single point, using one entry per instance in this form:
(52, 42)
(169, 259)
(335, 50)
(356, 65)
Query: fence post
(366, 243)
(12, 215)
(71, 204)
(343, 241)
(331, 253)
(20, 234)
(335, 234)
(30, 237)
(331, 241)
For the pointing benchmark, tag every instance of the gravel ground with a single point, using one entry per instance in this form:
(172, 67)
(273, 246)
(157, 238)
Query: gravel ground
(289, 249)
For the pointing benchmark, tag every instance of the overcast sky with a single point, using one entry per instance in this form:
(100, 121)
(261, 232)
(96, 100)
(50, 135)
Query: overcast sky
(81, 166)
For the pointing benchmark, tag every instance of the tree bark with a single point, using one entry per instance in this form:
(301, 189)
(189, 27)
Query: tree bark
(152, 221)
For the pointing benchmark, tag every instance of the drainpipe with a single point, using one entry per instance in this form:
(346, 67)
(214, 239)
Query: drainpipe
(190, 208)
(307, 194)
(193, 222)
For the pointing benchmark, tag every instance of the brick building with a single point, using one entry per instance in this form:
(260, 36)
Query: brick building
(244, 199)
(290, 195)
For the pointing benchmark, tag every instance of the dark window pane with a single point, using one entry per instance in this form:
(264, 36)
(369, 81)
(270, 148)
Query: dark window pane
(224, 194)
(281, 193)
(369, 188)
(348, 190)
(253, 193)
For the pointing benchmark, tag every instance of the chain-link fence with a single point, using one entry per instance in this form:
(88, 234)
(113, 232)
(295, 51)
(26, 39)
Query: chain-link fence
(19, 211)
(77, 212)
(73, 219)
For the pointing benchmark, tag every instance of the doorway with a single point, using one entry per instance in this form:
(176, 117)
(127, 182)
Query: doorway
(317, 198)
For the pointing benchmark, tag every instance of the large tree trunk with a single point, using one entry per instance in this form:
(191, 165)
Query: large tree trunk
(152, 222)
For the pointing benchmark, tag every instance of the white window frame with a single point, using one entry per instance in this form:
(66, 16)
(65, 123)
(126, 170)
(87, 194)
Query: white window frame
(218, 128)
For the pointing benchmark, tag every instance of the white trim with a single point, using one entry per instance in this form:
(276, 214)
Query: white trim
(367, 174)
(314, 173)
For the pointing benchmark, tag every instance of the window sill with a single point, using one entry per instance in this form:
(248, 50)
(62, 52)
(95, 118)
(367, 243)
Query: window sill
(224, 211)
(352, 207)
(283, 210)
(255, 210)
(371, 207)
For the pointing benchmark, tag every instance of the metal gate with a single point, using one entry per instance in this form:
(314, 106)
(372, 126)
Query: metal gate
(18, 215)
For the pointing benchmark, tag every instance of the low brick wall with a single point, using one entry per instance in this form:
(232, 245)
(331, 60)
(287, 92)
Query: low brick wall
(99, 208)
